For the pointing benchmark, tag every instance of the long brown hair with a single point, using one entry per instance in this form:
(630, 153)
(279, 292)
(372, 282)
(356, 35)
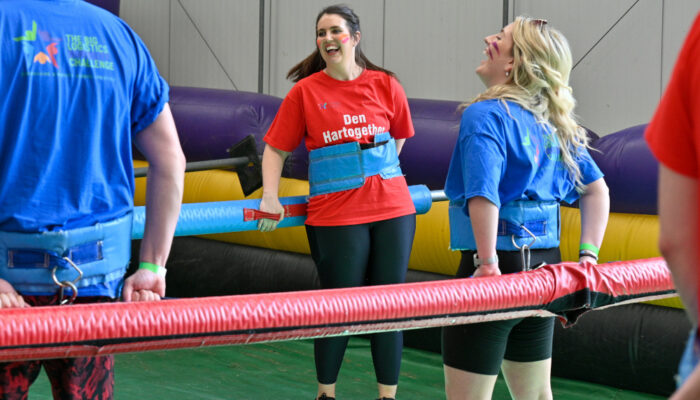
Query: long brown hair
(314, 62)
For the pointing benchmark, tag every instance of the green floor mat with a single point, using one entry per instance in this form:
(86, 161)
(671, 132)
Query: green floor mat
(285, 370)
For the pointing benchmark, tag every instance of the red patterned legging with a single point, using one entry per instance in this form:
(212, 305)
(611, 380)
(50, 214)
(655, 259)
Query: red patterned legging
(71, 378)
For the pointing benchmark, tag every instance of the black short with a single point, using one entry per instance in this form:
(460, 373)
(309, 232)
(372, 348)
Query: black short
(480, 348)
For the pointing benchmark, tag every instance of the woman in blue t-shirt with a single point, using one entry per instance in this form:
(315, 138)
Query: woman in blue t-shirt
(520, 153)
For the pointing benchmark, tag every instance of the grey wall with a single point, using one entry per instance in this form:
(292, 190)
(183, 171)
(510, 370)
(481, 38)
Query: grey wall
(624, 50)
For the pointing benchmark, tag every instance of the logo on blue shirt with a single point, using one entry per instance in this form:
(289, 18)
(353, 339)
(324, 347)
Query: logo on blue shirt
(31, 56)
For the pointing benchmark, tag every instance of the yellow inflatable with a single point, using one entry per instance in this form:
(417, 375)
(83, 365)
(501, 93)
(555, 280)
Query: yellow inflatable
(628, 236)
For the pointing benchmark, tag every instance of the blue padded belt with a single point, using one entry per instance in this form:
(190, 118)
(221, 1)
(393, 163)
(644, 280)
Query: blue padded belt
(515, 218)
(101, 251)
(345, 166)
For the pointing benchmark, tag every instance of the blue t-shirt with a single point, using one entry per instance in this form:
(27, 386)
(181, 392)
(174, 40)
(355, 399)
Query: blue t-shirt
(506, 157)
(77, 84)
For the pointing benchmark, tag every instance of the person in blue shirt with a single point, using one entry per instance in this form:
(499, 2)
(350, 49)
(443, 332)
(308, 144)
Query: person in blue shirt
(520, 152)
(79, 88)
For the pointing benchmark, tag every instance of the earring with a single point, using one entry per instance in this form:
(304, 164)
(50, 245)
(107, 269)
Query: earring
(507, 74)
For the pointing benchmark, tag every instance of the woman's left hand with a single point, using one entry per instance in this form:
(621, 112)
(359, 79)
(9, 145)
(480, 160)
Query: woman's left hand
(587, 259)
(144, 285)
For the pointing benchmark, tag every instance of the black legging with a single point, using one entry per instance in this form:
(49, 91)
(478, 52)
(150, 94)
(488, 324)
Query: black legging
(356, 255)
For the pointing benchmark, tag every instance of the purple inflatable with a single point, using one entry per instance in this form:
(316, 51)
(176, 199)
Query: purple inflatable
(630, 169)
(210, 121)
(109, 5)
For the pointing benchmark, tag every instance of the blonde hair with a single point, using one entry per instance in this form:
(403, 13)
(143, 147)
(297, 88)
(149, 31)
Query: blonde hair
(540, 83)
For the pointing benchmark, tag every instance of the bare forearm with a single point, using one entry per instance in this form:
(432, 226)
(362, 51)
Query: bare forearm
(595, 210)
(161, 146)
(678, 236)
(272, 163)
(484, 217)
(682, 266)
(399, 145)
(163, 200)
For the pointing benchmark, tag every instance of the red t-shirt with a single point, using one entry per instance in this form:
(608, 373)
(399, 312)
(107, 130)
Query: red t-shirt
(674, 132)
(325, 112)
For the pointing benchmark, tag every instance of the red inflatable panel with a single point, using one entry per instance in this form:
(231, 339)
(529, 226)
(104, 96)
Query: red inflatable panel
(91, 329)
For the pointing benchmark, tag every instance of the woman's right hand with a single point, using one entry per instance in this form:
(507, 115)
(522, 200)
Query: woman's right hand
(487, 270)
(588, 259)
(272, 205)
(9, 298)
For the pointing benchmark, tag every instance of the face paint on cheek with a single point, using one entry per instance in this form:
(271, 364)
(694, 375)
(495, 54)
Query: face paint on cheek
(344, 38)
(495, 46)
(318, 42)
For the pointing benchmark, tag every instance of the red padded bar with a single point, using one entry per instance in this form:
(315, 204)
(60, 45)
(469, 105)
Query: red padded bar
(90, 329)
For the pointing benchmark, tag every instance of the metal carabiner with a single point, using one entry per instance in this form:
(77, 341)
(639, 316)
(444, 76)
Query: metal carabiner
(61, 299)
(67, 284)
(525, 249)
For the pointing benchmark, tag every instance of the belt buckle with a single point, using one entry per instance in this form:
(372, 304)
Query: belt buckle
(365, 146)
(525, 249)
(41, 259)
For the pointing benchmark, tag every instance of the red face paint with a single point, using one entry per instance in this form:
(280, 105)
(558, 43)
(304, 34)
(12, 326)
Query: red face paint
(344, 38)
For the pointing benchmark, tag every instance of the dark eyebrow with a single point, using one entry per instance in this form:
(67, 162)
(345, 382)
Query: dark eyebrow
(332, 27)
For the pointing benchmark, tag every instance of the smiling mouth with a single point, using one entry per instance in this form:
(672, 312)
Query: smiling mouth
(332, 49)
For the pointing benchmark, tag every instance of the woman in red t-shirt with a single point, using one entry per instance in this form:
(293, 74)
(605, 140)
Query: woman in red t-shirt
(360, 227)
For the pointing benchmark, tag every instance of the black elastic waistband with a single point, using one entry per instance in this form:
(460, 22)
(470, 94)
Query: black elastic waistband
(365, 146)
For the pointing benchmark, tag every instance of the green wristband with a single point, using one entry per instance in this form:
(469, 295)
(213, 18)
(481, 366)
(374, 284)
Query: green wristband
(156, 269)
(589, 247)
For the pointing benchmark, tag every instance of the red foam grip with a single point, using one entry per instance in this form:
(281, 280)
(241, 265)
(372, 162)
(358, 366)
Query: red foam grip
(291, 210)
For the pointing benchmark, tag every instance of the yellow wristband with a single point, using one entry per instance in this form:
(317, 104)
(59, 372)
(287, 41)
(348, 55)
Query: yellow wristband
(156, 269)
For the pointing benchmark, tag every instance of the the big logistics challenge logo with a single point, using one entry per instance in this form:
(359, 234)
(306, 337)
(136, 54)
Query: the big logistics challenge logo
(85, 52)
(548, 142)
